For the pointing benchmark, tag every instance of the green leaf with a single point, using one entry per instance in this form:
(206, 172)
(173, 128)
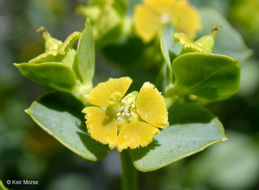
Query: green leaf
(85, 57)
(228, 42)
(54, 75)
(192, 129)
(206, 75)
(60, 116)
(161, 81)
(69, 58)
(169, 48)
(2, 187)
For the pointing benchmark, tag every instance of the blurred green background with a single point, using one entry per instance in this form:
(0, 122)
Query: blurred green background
(27, 152)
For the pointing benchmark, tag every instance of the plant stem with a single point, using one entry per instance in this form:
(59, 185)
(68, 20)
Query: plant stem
(129, 172)
(172, 94)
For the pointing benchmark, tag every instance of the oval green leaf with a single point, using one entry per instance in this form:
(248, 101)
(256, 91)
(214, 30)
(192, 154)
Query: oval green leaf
(206, 75)
(54, 75)
(60, 116)
(85, 57)
(192, 129)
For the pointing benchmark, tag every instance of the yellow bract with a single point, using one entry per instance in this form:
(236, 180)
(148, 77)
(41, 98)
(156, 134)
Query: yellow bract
(151, 106)
(146, 30)
(136, 134)
(129, 122)
(186, 18)
(101, 94)
(101, 126)
(152, 14)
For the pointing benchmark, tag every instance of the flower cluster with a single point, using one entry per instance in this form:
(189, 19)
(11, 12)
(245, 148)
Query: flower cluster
(123, 121)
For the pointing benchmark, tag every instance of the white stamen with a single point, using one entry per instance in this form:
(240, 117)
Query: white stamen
(126, 113)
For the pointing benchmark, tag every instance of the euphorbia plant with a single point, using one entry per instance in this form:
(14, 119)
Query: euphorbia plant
(149, 129)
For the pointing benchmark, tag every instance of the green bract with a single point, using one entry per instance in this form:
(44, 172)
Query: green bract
(52, 74)
(62, 67)
(169, 48)
(197, 71)
(60, 116)
(192, 129)
(85, 56)
(206, 75)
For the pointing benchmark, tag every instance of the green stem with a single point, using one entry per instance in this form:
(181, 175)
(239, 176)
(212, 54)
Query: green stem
(129, 172)
(170, 75)
(172, 95)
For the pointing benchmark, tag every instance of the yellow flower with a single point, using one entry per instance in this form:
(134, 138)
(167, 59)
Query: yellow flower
(152, 14)
(125, 121)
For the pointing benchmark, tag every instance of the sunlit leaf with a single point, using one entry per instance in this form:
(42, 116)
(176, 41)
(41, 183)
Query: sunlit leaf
(206, 75)
(54, 75)
(192, 129)
(85, 57)
(169, 48)
(60, 116)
